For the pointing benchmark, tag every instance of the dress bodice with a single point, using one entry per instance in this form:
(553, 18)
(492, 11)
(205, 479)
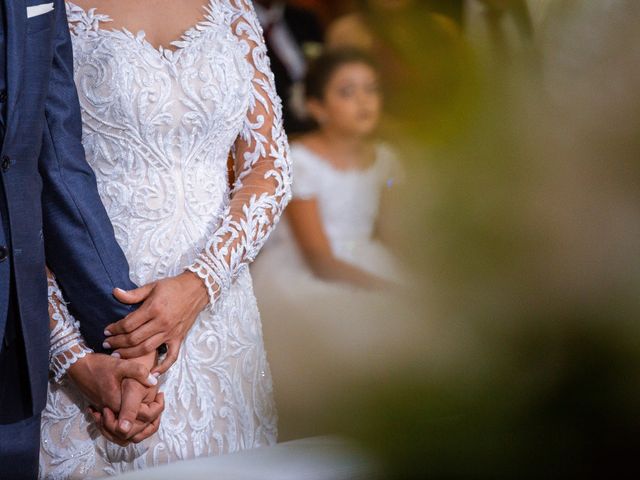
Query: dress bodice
(159, 126)
(348, 200)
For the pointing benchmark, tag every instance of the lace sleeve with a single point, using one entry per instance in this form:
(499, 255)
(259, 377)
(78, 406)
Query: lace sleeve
(66, 345)
(263, 173)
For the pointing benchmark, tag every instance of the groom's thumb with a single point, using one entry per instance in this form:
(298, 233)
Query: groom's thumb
(133, 296)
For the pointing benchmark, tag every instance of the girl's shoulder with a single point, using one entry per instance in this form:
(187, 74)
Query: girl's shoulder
(386, 155)
(303, 153)
(387, 163)
(385, 152)
(308, 169)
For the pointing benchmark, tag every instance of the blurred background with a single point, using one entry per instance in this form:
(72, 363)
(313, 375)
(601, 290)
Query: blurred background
(511, 347)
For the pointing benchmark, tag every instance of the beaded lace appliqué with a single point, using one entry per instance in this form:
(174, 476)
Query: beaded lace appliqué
(66, 343)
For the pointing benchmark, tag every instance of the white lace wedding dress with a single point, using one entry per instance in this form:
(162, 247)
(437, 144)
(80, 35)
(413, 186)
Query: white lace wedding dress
(158, 128)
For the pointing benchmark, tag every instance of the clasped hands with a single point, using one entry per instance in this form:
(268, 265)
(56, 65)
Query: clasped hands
(123, 388)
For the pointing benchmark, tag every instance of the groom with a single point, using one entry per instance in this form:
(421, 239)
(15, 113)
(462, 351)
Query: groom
(48, 203)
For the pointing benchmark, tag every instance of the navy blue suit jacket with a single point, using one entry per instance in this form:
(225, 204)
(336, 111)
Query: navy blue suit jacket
(54, 211)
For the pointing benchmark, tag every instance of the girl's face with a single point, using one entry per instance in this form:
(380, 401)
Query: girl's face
(352, 101)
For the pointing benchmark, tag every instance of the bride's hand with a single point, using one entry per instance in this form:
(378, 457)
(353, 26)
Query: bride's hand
(134, 413)
(145, 425)
(123, 386)
(170, 307)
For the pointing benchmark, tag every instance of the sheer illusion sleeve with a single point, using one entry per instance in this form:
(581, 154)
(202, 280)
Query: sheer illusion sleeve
(66, 344)
(263, 172)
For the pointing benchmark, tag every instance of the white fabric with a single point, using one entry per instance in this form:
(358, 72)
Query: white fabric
(41, 9)
(317, 458)
(158, 127)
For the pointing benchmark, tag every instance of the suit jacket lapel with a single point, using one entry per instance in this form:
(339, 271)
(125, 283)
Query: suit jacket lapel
(16, 13)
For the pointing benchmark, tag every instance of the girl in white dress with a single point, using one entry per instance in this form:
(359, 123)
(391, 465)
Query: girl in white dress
(342, 175)
(326, 269)
(160, 120)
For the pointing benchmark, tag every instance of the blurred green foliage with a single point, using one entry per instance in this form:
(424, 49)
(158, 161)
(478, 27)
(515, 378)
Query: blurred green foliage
(521, 213)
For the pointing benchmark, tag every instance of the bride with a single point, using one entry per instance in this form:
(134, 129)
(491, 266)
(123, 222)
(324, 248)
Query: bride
(161, 117)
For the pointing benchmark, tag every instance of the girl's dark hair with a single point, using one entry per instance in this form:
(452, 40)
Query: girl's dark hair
(322, 69)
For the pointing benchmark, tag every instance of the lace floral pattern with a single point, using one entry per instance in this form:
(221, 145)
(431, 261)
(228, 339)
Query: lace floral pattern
(66, 343)
(263, 185)
(158, 128)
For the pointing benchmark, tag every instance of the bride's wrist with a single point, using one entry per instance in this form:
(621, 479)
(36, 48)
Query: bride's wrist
(81, 368)
(63, 362)
(195, 288)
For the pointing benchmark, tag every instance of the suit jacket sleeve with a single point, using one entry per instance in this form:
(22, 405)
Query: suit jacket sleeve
(80, 244)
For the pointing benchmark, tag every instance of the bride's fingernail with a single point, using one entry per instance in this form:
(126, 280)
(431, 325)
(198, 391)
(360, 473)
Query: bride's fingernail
(115, 355)
(156, 374)
(107, 333)
(125, 425)
(152, 380)
(121, 290)
(106, 344)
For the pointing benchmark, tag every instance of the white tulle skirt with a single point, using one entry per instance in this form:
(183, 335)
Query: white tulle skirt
(323, 337)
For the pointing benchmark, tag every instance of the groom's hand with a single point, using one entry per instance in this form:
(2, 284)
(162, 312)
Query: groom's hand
(142, 427)
(138, 414)
(99, 377)
(123, 386)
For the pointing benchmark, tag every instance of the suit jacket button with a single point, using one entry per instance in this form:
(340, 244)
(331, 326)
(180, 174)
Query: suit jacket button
(3, 96)
(6, 161)
(4, 253)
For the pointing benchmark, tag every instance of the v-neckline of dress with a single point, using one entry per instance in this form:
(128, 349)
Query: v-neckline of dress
(165, 53)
